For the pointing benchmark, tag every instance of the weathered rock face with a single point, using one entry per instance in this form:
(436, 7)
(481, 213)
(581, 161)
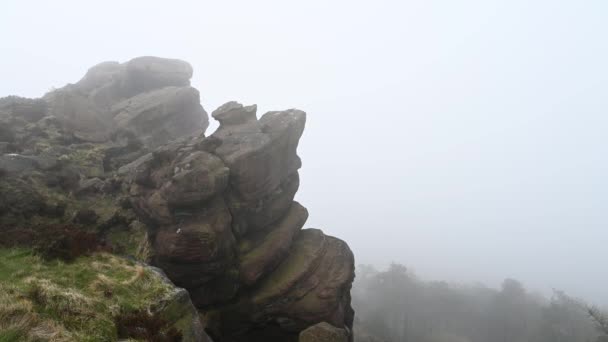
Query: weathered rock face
(227, 228)
(218, 212)
(178, 310)
(262, 159)
(148, 96)
(160, 115)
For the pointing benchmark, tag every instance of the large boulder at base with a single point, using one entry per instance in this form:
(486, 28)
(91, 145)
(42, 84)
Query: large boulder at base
(310, 285)
(178, 310)
(323, 332)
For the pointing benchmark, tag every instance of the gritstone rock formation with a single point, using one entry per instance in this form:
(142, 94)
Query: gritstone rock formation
(148, 96)
(123, 152)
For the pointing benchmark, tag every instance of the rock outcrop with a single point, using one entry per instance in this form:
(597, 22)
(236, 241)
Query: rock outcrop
(148, 96)
(216, 213)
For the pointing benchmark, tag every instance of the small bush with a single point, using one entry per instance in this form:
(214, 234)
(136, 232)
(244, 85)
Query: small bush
(65, 242)
(142, 326)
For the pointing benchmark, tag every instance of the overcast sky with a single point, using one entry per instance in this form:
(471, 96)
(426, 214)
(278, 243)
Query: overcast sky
(466, 139)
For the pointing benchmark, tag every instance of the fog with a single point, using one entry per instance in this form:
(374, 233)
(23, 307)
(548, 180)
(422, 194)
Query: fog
(464, 139)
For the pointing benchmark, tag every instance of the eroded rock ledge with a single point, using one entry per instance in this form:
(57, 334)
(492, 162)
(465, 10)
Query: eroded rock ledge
(124, 150)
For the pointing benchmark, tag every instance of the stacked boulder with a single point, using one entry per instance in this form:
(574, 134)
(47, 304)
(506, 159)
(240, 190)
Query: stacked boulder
(127, 143)
(148, 96)
(225, 226)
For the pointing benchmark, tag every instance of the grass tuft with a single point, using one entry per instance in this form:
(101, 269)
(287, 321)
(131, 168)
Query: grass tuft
(81, 300)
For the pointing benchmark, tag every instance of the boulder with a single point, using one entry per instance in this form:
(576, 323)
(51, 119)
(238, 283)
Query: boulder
(177, 309)
(263, 162)
(305, 256)
(233, 116)
(310, 285)
(161, 115)
(260, 161)
(262, 253)
(181, 314)
(147, 73)
(100, 75)
(178, 191)
(323, 332)
(196, 248)
(79, 115)
(327, 289)
(196, 178)
(149, 96)
(285, 129)
(109, 82)
(161, 186)
(259, 213)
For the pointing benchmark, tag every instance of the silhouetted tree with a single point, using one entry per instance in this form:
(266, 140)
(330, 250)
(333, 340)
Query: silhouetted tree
(395, 306)
(601, 322)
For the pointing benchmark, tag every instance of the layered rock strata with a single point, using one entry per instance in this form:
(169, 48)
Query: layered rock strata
(123, 152)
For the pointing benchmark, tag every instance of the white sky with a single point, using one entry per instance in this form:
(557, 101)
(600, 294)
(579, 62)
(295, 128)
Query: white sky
(466, 139)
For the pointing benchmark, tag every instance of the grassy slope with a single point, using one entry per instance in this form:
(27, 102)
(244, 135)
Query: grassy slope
(78, 301)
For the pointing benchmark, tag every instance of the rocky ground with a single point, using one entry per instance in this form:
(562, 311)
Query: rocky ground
(119, 163)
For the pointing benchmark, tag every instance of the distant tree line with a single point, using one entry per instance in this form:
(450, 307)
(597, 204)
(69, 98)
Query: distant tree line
(395, 306)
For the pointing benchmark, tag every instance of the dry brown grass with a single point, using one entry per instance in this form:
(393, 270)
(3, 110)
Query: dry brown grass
(20, 322)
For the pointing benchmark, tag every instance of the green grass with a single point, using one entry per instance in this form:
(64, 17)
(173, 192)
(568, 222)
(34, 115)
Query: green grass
(78, 301)
(11, 335)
